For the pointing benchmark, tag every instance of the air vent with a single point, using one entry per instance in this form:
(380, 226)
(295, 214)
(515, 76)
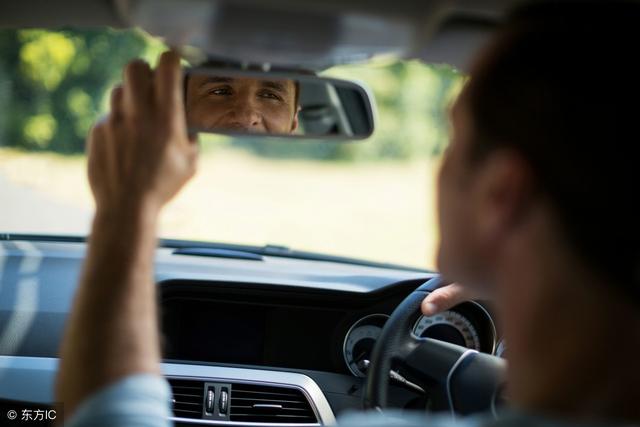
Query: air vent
(269, 404)
(188, 398)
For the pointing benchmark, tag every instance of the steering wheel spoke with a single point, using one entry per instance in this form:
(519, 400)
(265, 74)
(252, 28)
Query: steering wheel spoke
(431, 361)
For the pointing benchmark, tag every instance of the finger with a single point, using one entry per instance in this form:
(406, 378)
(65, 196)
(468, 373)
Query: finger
(96, 134)
(168, 87)
(116, 103)
(91, 140)
(95, 145)
(137, 88)
(444, 298)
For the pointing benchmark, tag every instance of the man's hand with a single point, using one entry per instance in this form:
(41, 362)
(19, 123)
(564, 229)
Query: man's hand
(140, 156)
(446, 297)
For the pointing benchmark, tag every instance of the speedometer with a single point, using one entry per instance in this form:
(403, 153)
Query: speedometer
(448, 326)
(359, 343)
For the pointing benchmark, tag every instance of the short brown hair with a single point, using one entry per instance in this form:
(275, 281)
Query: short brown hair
(559, 84)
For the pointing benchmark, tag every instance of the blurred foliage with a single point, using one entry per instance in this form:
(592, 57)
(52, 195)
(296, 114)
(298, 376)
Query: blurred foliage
(55, 84)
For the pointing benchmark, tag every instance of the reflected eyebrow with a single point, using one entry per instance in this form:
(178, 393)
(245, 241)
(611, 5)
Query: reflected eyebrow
(281, 87)
(216, 79)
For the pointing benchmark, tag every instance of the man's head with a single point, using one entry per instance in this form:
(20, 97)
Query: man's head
(546, 129)
(242, 104)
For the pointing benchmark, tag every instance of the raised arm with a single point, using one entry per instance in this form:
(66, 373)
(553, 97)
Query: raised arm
(139, 158)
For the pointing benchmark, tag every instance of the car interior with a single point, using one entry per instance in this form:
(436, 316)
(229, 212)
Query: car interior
(268, 335)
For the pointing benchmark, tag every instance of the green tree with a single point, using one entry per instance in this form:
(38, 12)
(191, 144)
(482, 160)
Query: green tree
(53, 83)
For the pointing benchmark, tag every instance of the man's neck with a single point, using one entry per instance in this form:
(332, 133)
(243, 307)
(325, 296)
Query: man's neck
(573, 341)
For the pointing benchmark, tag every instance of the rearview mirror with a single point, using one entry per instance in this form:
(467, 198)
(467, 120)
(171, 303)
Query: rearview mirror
(219, 100)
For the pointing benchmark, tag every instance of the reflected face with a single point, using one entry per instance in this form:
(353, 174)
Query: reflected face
(241, 104)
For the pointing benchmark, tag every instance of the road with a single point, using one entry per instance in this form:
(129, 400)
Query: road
(25, 210)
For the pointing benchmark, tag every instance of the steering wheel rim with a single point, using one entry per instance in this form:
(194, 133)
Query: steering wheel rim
(458, 379)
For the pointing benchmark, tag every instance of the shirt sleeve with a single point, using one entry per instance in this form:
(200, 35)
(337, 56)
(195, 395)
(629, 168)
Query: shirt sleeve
(141, 400)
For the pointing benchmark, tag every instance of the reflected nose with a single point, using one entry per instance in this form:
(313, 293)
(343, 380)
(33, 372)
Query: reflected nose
(246, 115)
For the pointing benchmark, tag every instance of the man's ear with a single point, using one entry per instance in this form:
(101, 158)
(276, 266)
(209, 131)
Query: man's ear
(295, 122)
(505, 191)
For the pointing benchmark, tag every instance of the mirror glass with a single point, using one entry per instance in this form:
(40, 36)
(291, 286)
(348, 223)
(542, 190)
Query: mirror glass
(276, 104)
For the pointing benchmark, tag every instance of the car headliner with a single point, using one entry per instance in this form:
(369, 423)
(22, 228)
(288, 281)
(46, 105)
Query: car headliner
(440, 31)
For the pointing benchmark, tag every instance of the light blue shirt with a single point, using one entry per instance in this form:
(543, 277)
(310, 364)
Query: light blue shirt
(142, 400)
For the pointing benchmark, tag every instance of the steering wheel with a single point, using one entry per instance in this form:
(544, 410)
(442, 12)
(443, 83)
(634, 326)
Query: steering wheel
(457, 379)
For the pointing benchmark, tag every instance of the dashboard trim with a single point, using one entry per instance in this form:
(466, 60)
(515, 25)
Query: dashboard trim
(235, 423)
(301, 382)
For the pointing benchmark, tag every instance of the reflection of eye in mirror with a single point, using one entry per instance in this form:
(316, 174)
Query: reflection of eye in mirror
(220, 101)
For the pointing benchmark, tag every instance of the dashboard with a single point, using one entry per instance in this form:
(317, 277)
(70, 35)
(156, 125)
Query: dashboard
(233, 330)
(265, 326)
(332, 332)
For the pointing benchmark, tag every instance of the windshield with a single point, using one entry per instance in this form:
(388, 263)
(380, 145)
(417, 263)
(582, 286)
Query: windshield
(372, 199)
